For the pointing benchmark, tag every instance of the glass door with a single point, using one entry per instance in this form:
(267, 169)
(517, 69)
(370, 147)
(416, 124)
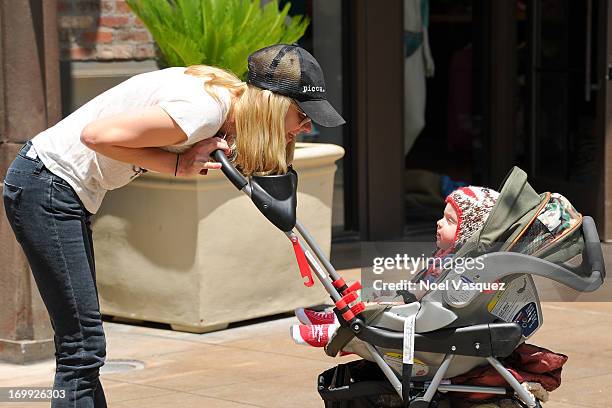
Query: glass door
(561, 138)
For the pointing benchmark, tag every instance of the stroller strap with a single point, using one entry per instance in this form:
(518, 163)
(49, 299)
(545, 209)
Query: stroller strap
(408, 357)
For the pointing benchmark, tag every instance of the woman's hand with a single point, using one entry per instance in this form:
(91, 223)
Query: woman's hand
(197, 159)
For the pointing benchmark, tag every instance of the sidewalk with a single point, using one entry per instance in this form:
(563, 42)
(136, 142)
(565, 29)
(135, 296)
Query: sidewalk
(258, 365)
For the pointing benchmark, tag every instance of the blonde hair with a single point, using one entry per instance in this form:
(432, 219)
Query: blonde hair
(259, 145)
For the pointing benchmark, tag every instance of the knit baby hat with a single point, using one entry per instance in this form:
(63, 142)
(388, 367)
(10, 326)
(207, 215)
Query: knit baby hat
(473, 205)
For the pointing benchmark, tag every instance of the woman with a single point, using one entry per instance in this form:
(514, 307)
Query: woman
(167, 121)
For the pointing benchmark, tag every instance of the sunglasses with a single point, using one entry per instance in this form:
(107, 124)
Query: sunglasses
(303, 115)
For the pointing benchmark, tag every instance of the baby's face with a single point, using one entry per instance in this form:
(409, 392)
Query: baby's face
(446, 228)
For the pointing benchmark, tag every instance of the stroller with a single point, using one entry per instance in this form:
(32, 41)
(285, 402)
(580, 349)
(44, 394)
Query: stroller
(410, 351)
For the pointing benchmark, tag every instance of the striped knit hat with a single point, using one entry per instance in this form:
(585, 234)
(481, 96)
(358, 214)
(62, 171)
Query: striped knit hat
(473, 205)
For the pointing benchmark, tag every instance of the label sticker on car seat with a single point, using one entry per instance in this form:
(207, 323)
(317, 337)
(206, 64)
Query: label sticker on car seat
(518, 303)
(527, 317)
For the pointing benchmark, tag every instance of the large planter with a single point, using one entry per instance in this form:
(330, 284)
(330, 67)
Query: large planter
(197, 254)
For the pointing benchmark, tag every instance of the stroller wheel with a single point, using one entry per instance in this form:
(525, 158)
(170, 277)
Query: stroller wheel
(522, 404)
(421, 403)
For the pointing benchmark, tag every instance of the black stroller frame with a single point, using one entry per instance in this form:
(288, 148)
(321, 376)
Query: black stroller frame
(276, 198)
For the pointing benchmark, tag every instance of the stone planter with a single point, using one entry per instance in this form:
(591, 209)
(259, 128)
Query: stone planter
(197, 254)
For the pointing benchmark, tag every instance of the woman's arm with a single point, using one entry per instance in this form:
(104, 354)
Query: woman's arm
(135, 137)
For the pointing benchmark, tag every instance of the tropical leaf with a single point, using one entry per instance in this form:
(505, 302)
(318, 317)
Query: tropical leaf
(216, 32)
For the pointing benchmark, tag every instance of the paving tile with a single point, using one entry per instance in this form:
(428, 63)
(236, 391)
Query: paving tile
(184, 400)
(594, 342)
(189, 380)
(124, 343)
(216, 366)
(12, 375)
(277, 327)
(282, 346)
(287, 391)
(39, 404)
(587, 392)
(584, 315)
(581, 365)
(552, 403)
(602, 308)
(167, 364)
(184, 372)
(117, 391)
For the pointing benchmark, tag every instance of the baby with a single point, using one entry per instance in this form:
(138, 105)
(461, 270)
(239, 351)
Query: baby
(466, 211)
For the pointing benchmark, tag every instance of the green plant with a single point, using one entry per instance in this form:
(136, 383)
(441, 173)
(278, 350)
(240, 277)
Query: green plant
(216, 32)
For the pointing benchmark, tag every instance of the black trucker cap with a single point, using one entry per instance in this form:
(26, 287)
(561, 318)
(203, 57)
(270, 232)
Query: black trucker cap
(292, 71)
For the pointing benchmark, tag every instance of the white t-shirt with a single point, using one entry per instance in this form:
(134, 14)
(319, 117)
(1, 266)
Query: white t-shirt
(91, 174)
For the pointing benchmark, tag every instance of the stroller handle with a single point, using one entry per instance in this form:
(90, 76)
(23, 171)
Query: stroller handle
(237, 179)
(273, 195)
(586, 277)
(593, 260)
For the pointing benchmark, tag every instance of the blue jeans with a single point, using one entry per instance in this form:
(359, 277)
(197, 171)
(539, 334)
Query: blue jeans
(54, 230)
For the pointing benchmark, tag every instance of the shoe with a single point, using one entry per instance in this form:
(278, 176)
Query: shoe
(316, 335)
(308, 316)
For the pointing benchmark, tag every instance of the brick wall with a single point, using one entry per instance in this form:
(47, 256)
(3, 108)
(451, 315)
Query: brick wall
(101, 30)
